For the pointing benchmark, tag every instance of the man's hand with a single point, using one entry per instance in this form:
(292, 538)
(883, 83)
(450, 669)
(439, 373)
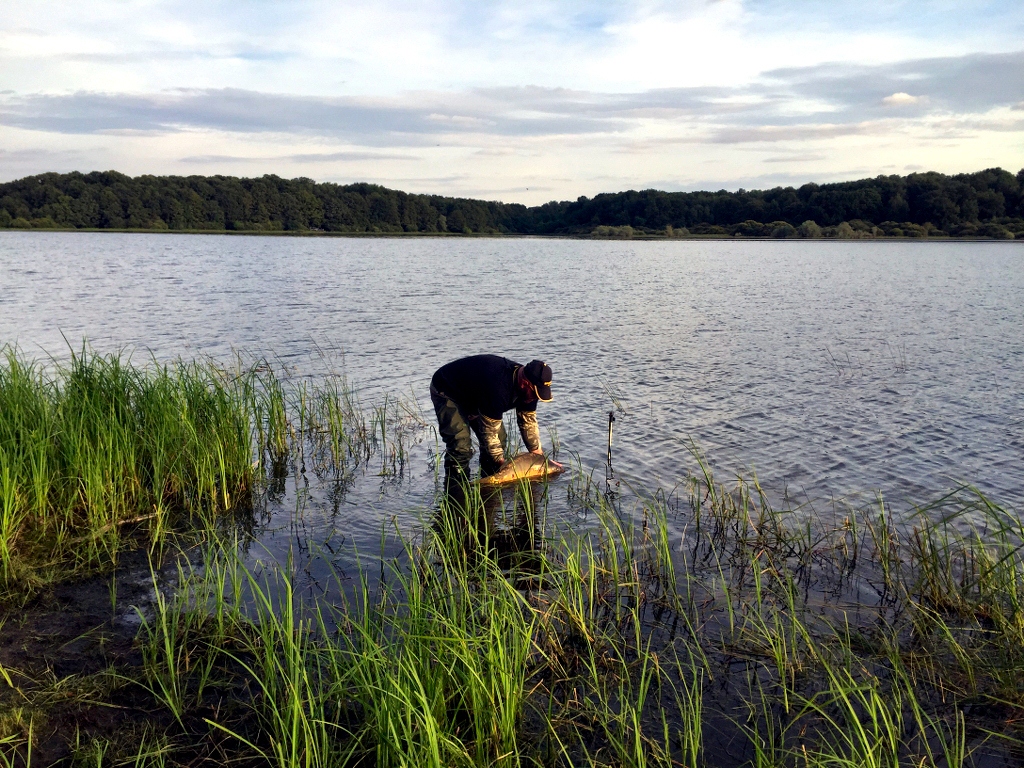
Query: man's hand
(540, 452)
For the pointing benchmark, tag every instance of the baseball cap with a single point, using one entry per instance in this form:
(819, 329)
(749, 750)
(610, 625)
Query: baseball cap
(539, 374)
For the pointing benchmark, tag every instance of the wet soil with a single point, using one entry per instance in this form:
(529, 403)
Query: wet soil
(76, 670)
(66, 652)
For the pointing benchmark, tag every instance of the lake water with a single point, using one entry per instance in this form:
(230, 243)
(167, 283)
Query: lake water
(832, 369)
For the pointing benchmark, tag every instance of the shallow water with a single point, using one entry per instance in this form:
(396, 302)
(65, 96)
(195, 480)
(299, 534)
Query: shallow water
(831, 369)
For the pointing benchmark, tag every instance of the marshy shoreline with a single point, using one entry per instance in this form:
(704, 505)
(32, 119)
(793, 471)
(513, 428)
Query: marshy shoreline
(694, 627)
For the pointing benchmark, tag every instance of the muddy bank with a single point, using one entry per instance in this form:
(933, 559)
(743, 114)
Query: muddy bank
(72, 676)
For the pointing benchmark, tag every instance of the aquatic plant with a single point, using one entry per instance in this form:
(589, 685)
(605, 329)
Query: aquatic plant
(647, 637)
(98, 452)
(95, 449)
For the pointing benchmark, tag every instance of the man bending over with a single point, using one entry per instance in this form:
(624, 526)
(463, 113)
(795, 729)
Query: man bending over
(473, 393)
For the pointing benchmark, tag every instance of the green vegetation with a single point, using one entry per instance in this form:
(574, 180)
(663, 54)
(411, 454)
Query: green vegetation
(112, 200)
(697, 627)
(617, 646)
(100, 453)
(988, 204)
(95, 447)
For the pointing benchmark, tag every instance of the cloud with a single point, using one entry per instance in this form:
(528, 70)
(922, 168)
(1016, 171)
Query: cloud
(799, 104)
(948, 113)
(33, 154)
(208, 159)
(171, 55)
(776, 133)
(787, 159)
(19, 162)
(379, 121)
(345, 156)
(970, 83)
(759, 181)
(227, 109)
(903, 99)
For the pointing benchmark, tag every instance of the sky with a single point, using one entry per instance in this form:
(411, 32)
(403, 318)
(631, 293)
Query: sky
(522, 101)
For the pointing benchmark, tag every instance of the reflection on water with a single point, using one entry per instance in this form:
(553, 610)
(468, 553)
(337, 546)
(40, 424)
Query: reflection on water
(502, 524)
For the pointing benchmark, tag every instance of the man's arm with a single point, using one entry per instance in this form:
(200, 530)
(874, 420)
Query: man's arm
(527, 421)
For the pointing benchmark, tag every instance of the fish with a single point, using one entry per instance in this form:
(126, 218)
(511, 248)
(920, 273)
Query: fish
(530, 467)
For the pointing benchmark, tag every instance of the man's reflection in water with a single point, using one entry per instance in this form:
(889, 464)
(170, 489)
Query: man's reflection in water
(502, 524)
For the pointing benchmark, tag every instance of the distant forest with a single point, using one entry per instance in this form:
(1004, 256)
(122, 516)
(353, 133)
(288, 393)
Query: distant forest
(988, 203)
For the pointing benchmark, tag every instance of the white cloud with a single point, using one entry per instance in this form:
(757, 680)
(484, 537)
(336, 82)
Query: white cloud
(849, 100)
(357, 47)
(903, 99)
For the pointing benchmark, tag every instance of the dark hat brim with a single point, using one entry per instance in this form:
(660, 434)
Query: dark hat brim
(543, 392)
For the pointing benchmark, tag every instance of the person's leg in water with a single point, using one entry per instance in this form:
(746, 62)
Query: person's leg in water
(488, 466)
(458, 445)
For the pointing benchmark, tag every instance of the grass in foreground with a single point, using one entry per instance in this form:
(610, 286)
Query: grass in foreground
(733, 635)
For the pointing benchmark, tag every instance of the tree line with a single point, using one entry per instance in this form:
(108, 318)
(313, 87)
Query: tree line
(988, 203)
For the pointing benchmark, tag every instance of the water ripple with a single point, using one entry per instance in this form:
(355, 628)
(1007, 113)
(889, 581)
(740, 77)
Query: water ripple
(830, 368)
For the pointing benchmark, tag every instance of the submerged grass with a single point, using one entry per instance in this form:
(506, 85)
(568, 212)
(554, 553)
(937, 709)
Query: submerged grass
(589, 653)
(448, 664)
